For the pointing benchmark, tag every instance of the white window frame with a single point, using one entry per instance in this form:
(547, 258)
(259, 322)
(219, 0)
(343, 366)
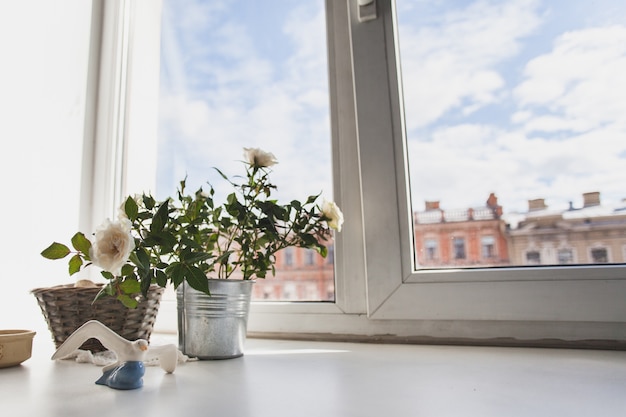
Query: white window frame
(378, 290)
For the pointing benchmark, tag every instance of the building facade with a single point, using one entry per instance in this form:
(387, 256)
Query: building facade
(301, 275)
(592, 234)
(473, 236)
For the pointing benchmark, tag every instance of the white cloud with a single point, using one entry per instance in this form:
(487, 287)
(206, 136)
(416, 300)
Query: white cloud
(463, 164)
(581, 81)
(235, 96)
(452, 60)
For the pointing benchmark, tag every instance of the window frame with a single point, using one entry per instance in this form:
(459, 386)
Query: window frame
(378, 289)
(397, 297)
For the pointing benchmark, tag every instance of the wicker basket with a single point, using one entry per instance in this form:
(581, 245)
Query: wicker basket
(66, 308)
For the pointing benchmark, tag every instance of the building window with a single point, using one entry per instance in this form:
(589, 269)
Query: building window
(533, 258)
(309, 257)
(430, 249)
(289, 291)
(565, 256)
(488, 245)
(458, 246)
(288, 256)
(330, 256)
(599, 256)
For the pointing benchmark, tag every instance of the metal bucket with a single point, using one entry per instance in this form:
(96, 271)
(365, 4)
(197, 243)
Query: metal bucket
(214, 327)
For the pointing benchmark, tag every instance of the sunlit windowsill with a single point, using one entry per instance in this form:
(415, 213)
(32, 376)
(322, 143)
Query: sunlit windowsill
(285, 378)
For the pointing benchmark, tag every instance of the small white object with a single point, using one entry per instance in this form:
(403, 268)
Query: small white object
(125, 350)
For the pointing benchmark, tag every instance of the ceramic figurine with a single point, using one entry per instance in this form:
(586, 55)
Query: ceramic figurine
(127, 373)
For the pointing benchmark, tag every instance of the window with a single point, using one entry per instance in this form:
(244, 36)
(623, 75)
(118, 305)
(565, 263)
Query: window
(378, 287)
(493, 92)
(458, 244)
(488, 247)
(430, 246)
(533, 258)
(565, 256)
(599, 255)
(330, 257)
(240, 74)
(288, 257)
(309, 257)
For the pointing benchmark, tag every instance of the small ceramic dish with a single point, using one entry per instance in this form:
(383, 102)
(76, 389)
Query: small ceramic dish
(15, 346)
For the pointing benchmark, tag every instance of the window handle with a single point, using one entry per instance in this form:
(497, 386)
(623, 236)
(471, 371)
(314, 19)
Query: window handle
(367, 10)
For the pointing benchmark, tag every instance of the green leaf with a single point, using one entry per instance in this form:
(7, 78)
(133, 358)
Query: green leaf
(148, 201)
(194, 257)
(197, 279)
(144, 259)
(312, 199)
(75, 263)
(128, 301)
(131, 208)
(160, 218)
(140, 258)
(127, 270)
(161, 278)
(55, 251)
(81, 244)
(107, 275)
(176, 272)
(296, 204)
(130, 286)
(222, 174)
(146, 281)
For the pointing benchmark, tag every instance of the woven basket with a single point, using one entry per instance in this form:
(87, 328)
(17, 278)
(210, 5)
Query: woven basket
(66, 308)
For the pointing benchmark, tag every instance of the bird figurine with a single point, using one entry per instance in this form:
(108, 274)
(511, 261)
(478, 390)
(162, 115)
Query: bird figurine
(127, 373)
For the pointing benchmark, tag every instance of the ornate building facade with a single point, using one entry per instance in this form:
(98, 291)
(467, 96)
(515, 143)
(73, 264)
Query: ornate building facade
(474, 236)
(592, 234)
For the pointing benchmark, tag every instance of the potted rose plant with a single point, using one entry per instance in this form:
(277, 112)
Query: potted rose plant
(246, 232)
(196, 244)
(139, 253)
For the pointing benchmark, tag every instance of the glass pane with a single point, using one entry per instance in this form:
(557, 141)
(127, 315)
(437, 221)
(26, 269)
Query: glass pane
(516, 128)
(249, 74)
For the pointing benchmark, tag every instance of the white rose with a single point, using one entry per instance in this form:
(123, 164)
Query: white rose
(259, 158)
(333, 215)
(112, 246)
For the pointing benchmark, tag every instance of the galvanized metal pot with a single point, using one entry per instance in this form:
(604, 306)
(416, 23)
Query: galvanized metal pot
(214, 327)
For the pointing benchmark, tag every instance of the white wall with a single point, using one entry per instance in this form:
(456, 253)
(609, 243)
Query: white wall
(44, 48)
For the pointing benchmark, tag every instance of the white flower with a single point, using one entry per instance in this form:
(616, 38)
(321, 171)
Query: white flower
(112, 246)
(333, 215)
(122, 219)
(259, 158)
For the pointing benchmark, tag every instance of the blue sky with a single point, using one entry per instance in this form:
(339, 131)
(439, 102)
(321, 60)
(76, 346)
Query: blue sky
(522, 98)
